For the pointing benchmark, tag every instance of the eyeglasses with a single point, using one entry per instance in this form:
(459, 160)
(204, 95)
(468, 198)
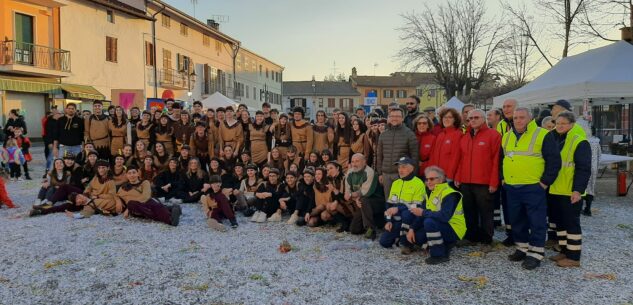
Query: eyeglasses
(432, 178)
(423, 123)
(475, 118)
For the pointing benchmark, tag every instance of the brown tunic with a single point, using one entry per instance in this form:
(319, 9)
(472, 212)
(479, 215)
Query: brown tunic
(143, 133)
(166, 137)
(119, 178)
(102, 190)
(104, 202)
(231, 135)
(302, 136)
(96, 130)
(259, 149)
(182, 134)
(119, 137)
(358, 145)
(161, 162)
(141, 192)
(320, 138)
(343, 153)
(202, 146)
(321, 199)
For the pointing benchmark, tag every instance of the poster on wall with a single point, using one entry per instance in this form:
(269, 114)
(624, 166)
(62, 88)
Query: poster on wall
(154, 102)
(128, 98)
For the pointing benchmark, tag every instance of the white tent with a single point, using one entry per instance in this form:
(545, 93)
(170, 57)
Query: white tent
(604, 75)
(454, 103)
(217, 100)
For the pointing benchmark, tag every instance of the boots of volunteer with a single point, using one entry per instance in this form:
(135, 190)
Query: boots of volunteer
(440, 223)
(530, 164)
(567, 190)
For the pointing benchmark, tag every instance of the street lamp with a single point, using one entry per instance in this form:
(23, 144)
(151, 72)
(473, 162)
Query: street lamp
(313, 94)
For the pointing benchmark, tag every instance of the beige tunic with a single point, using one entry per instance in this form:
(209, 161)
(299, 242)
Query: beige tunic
(119, 177)
(96, 130)
(231, 135)
(343, 153)
(202, 147)
(358, 146)
(259, 149)
(320, 138)
(167, 139)
(118, 137)
(302, 136)
(143, 133)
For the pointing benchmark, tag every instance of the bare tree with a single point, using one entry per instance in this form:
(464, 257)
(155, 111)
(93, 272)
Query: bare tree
(520, 57)
(456, 40)
(598, 17)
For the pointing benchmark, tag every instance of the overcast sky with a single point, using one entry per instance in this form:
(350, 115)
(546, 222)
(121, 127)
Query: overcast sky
(308, 37)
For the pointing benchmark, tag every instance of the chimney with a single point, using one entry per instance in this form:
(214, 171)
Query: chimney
(627, 34)
(354, 73)
(212, 24)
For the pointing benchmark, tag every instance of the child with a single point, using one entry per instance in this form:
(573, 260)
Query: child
(4, 196)
(24, 143)
(13, 156)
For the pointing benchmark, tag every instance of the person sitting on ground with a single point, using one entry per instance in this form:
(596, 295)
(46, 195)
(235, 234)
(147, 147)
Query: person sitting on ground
(89, 168)
(135, 197)
(76, 172)
(338, 208)
(361, 188)
(305, 200)
(104, 205)
(55, 179)
(322, 196)
(288, 204)
(440, 223)
(196, 182)
(268, 195)
(216, 206)
(118, 170)
(168, 184)
(148, 171)
(406, 192)
(246, 193)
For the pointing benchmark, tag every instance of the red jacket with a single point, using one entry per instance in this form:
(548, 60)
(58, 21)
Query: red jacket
(479, 157)
(425, 143)
(445, 152)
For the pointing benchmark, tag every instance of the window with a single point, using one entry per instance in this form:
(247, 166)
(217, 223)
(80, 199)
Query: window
(320, 102)
(419, 92)
(387, 93)
(346, 104)
(331, 103)
(111, 50)
(149, 54)
(166, 20)
(218, 47)
(110, 15)
(432, 93)
(402, 93)
(166, 59)
(184, 29)
(266, 72)
(260, 70)
(24, 37)
(206, 40)
(247, 91)
(254, 93)
(184, 63)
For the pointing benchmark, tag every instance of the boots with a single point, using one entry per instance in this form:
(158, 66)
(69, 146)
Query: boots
(567, 263)
(588, 201)
(26, 172)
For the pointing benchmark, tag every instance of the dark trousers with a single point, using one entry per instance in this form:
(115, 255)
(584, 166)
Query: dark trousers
(365, 217)
(26, 170)
(436, 235)
(160, 193)
(496, 203)
(14, 170)
(46, 193)
(551, 220)
(61, 208)
(152, 209)
(478, 212)
(195, 198)
(503, 196)
(268, 205)
(63, 192)
(566, 215)
(528, 216)
(223, 211)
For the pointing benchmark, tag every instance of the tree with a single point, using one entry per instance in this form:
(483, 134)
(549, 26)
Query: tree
(519, 53)
(338, 78)
(456, 40)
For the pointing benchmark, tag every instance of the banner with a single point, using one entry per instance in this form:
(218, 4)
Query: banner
(154, 102)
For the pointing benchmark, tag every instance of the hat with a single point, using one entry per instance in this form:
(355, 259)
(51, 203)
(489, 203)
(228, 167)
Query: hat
(429, 109)
(292, 173)
(274, 170)
(69, 155)
(215, 179)
(251, 166)
(309, 170)
(563, 103)
(404, 161)
(187, 147)
(102, 162)
(93, 152)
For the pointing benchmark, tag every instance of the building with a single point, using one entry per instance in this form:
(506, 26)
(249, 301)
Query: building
(319, 95)
(396, 87)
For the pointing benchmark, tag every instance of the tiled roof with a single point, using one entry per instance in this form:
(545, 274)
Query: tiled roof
(304, 88)
(396, 79)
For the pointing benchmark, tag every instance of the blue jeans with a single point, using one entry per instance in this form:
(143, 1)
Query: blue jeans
(49, 157)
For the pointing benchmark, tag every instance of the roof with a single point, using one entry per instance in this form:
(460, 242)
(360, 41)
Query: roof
(123, 7)
(396, 79)
(304, 88)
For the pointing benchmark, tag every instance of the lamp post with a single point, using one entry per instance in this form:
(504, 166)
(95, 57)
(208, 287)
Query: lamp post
(313, 94)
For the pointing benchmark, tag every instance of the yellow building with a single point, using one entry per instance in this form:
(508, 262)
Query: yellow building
(397, 86)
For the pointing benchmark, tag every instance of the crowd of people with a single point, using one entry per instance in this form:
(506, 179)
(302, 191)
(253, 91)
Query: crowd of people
(412, 178)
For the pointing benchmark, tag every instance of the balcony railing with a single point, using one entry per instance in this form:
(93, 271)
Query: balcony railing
(171, 78)
(28, 54)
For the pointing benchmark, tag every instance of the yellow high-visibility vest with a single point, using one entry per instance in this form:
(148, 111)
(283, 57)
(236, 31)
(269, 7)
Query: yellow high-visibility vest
(434, 203)
(565, 179)
(523, 162)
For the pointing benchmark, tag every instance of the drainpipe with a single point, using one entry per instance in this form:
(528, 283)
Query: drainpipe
(154, 50)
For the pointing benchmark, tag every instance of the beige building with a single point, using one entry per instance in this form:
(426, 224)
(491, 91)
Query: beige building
(320, 95)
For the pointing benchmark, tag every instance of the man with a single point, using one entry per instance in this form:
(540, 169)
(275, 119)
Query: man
(69, 133)
(169, 105)
(565, 194)
(197, 109)
(465, 110)
(50, 127)
(441, 222)
(413, 108)
(477, 176)
(360, 112)
(301, 132)
(406, 192)
(183, 129)
(176, 110)
(396, 142)
(501, 200)
(437, 127)
(361, 187)
(558, 107)
(305, 202)
(96, 130)
(493, 116)
(531, 161)
(104, 204)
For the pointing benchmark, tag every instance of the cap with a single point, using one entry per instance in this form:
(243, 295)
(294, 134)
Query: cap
(251, 166)
(563, 103)
(185, 147)
(404, 161)
(102, 162)
(292, 173)
(215, 179)
(274, 170)
(429, 109)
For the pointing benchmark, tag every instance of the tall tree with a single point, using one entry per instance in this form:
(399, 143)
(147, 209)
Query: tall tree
(457, 40)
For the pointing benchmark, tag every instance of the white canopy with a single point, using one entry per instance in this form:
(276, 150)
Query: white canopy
(454, 103)
(604, 75)
(217, 100)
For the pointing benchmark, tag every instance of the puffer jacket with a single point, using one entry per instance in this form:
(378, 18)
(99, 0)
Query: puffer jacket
(396, 142)
(445, 153)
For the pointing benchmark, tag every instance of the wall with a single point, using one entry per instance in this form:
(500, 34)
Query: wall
(45, 25)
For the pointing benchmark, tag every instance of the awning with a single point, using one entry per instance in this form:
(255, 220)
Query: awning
(82, 92)
(7, 84)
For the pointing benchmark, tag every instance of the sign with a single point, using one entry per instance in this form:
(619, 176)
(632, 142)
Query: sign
(154, 102)
(128, 98)
(371, 101)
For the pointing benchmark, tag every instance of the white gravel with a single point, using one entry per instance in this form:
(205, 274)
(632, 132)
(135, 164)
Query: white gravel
(103, 260)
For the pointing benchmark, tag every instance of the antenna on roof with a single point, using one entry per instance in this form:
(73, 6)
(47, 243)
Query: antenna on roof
(220, 18)
(375, 65)
(334, 69)
(194, 2)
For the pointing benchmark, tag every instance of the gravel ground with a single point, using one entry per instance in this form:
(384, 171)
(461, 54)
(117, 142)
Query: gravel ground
(56, 260)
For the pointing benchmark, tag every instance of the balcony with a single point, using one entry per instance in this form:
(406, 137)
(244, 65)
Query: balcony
(34, 60)
(172, 79)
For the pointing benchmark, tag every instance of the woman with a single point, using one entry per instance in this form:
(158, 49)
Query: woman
(57, 177)
(276, 160)
(426, 139)
(196, 182)
(322, 133)
(128, 154)
(148, 171)
(156, 118)
(373, 133)
(230, 132)
(140, 153)
(360, 145)
(161, 157)
(231, 182)
(202, 145)
(342, 140)
(90, 167)
(144, 132)
(337, 207)
(76, 172)
(83, 155)
(257, 139)
(216, 206)
(326, 156)
(281, 134)
(228, 159)
(245, 119)
(322, 196)
(264, 172)
(165, 133)
(246, 192)
(445, 151)
(118, 130)
(215, 167)
(313, 160)
(168, 184)
(119, 169)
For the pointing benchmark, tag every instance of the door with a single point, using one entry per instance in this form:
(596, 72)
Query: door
(23, 39)
(32, 106)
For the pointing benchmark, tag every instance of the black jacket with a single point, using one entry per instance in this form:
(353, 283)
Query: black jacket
(69, 131)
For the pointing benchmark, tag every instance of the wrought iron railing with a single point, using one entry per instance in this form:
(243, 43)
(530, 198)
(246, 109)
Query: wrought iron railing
(28, 54)
(172, 78)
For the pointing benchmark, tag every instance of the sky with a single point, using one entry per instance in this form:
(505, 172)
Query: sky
(321, 37)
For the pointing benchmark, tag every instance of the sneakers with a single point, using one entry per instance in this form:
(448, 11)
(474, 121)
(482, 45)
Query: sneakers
(37, 202)
(175, 201)
(162, 200)
(370, 234)
(20, 179)
(568, 263)
(517, 256)
(275, 217)
(434, 260)
(404, 250)
(175, 215)
(215, 225)
(234, 224)
(35, 212)
(508, 242)
(255, 216)
(530, 263)
(293, 218)
(557, 257)
(261, 218)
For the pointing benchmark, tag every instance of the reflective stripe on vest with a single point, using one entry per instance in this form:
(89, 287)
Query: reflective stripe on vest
(523, 162)
(564, 181)
(434, 203)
